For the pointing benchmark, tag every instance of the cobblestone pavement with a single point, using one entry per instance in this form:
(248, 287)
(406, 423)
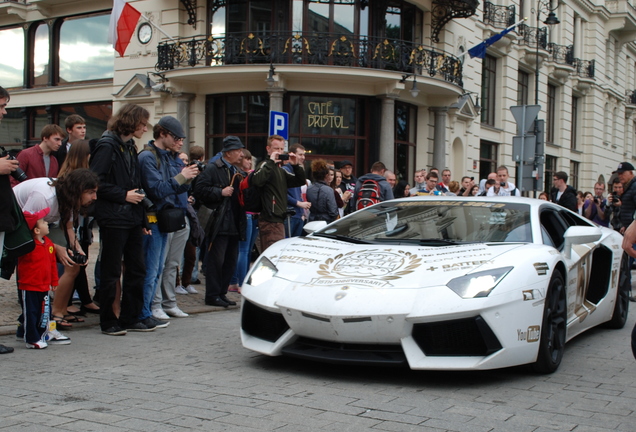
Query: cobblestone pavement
(195, 375)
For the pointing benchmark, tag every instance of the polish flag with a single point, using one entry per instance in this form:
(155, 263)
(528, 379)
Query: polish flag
(123, 20)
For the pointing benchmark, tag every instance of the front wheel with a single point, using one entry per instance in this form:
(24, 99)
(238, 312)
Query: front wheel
(552, 342)
(621, 306)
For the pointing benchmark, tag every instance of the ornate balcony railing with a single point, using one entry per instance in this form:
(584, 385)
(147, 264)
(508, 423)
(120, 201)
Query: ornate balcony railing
(499, 16)
(533, 36)
(584, 68)
(315, 49)
(561, 54)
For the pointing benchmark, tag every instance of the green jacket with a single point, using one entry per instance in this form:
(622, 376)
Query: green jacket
(273, 182)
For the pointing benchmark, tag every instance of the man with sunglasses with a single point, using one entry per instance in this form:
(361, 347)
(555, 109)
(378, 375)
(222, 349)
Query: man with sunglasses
(166, 181)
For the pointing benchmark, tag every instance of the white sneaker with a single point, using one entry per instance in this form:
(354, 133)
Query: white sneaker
(180, 290)
(190, 289)
(160, 314)
(176, 312)
(38, 345)
(54, 337)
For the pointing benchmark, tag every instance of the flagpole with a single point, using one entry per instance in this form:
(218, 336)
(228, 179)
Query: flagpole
(157, 27)
(506, 29)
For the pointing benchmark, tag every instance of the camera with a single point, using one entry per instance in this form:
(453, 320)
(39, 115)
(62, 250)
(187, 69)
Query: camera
(472, 178)
(283, 157)
(148, 205)
(18, 174)
(615, 197)
(200, 165)
(78, 258)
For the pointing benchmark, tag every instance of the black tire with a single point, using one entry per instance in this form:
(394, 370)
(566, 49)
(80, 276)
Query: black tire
(621, 307)
(553, 329)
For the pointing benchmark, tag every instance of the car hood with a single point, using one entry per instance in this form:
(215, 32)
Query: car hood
(325, 262)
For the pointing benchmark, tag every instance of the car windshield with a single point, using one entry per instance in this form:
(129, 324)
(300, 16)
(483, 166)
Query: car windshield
(435, 223)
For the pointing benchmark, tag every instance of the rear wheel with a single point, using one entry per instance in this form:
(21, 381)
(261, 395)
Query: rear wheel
(552, 342)
(621, 307)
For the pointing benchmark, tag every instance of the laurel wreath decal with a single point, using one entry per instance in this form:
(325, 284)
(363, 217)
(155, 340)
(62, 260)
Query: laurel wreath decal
(411, 262)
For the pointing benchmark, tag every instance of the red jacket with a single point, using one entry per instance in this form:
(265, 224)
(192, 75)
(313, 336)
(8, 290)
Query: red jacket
(32, 163)
(37, 270)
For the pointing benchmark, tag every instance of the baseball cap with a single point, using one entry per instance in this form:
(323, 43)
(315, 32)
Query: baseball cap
(173, 126)
(344, 163)
(33, 218)
(232, 142)
(623, 166)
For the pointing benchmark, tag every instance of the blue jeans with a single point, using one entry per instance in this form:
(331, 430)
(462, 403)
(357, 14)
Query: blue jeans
(155, 254)
(245, 251)
(295, 225)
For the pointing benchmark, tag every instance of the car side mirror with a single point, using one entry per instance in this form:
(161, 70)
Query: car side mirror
(311, 227)
(580, 235)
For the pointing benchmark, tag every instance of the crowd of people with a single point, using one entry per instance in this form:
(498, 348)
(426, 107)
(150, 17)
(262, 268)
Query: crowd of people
(161, 211)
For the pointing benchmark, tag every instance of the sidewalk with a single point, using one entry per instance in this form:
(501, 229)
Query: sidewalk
(10, 309)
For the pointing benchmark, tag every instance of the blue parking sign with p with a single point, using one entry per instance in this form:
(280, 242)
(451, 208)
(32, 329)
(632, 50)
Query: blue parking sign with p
(279, 124)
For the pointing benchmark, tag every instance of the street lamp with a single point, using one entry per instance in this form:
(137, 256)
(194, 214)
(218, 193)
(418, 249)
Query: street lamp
(545, 6)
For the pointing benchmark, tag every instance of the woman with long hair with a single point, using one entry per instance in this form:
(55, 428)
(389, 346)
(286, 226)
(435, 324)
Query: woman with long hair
(77, 158)
(401, 189)
(65, 197)
(342, 198)
(321, 195)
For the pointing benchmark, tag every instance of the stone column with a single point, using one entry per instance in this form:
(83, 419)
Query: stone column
(439, 137)
(276, 99)
(183, 115)
(387, 133)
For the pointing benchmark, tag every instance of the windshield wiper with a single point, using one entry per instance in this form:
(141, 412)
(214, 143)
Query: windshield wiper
(343, 238)
(427, 242)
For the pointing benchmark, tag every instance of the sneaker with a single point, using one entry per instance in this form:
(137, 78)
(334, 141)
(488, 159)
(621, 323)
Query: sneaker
(114, 331)
(152, 322)
(192, 290)
(176, 312)
(180, 290)
(140, 327)
(54, 337)
(160, 314)
(38, 345)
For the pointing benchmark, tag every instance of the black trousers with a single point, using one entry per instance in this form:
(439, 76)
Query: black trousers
(220, 263)
(35, 315)
(118, 243)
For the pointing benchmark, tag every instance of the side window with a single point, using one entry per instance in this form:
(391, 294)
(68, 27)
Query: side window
(573, 220)
(554, 226)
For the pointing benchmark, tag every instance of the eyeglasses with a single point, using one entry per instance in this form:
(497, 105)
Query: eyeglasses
(176, 138)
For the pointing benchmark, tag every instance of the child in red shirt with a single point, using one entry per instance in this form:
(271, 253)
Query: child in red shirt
(37, 274)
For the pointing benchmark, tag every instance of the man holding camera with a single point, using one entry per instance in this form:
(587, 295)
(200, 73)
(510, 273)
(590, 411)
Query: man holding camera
(273, 182)
(166, 182)
(503, 187)
(121, 219)
(7, 218)
(594, 210)
(467, 186)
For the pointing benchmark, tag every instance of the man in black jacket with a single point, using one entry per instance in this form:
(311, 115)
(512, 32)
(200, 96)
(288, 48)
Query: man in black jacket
(625, 173)
(563, 194)
(217, 188)
(121, 219)
(8, 220)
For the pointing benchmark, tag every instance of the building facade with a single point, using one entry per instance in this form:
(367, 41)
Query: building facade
(361, 80)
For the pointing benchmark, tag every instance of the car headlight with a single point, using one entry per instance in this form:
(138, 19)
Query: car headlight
(478, 284)
(263, 271)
